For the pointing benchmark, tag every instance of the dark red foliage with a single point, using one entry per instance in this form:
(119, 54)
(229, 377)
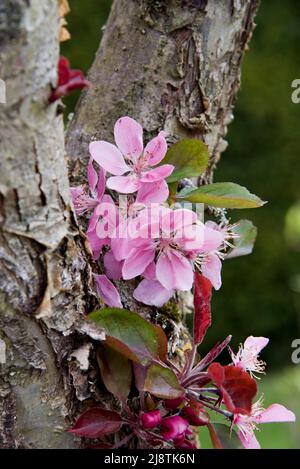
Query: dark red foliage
(237, 387)
(97, 422)
(68, 80)
(202, 300)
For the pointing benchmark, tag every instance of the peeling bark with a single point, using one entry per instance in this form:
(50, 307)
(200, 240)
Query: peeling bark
(44, 273)
(172, 65)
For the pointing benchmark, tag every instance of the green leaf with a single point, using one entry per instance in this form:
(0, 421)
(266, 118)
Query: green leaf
(115, 371)
(243, 245)
(190, 158)
(223, 194)
(226, 436)
(129, 334)
(162, 382)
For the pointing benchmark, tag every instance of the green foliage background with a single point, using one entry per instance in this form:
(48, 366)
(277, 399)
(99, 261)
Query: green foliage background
(261, 292)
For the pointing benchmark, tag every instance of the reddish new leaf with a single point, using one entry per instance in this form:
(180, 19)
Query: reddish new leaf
(202, 300)
(68, 80)
(237, 387)
(97, 422)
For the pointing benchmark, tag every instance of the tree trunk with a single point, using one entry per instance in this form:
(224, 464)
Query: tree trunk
(171, 65)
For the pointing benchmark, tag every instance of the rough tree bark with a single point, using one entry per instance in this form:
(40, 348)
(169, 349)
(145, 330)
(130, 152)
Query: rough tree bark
(172, 65)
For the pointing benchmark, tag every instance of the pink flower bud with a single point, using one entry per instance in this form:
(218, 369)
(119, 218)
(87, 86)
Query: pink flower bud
(195, 414)
(174, 428)
(151, 419)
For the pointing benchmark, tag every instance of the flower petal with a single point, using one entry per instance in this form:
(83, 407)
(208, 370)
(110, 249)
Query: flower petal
(107, 291)
(92, 176)
(137, 261)
(256, 344)
(152, 293)
(174, 271)
(129, 137)
(153, 192)
(150, 271)
(123, 184)
(101, 184)
(113, 268)
(96, 243)
(108, 157)
(156, 149)
(249, 441)
(275, 413)
(211, 269)
(212, 239)
(157, 174)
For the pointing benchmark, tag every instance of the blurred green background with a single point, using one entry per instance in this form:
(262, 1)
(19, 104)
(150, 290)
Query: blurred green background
(261, 292)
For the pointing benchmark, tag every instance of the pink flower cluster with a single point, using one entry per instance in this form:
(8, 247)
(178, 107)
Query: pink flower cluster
(143, 237)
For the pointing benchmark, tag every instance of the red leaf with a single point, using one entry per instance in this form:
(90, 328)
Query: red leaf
(68, 80)
(202, 314)
(97, 422)
(237, 387)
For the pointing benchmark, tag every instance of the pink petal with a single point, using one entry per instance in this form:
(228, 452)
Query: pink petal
(179, 219)
(156, 149)
(96, 243)
(108, 218)
(151, 292)
(211, 269)
(157, 174)
(150, 272)
(107, 291)
(108, 157)
(149, 222)
(120, 243)
(153, 192)
(113, 268)
(256, 344)
(92, 176)
(137, 261)
(123, 184)
(275, 413)
(249, 441)
(174, 271)
(129, 137)
(212, 239)
(101, 184)
(193, 237)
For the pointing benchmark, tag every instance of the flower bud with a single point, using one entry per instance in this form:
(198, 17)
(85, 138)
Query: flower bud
(174, 428)
(150, 419)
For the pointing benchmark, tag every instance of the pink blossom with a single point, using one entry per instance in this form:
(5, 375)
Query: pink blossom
(101, 225)
(164, 239)
(174, 428)
(84, 202)
(107, 291)
(151, 419)
(131, 165)
(211, 269)
(247, 355)
(248, 424)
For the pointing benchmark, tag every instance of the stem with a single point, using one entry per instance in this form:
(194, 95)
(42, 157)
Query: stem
(122, 442)
(190, 380)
